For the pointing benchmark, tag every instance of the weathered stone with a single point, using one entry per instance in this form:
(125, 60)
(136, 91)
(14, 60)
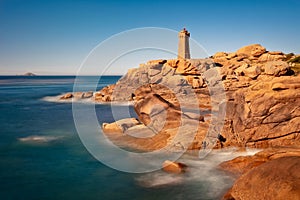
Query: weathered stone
(220, 55)
(153, 72)
(276, 179)
(271, 56)
(167, 70)
(67, 96)
(197, 82)
(78, 95)
(276, 68)
(231, 55)
(279, 86)
(175, 80)
(252, 50)
(252, 71)
(111, 128)
(185, 67)
(87, 94)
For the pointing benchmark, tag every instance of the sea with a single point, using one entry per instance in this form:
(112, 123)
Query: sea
(43, 157)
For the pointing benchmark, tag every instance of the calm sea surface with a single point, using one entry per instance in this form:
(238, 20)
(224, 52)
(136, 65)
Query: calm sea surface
(42, 157)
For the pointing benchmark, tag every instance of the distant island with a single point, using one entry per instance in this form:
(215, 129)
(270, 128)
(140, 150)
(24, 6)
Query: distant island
(29, 74)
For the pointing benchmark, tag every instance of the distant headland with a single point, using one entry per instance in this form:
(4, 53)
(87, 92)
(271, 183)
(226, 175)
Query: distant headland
(29, 74)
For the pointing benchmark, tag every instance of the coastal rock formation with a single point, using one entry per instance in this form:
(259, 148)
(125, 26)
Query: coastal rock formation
(264, 113)
(77, 95)
(261, 97)
(176, 75)
(270, 174)
(105, 94)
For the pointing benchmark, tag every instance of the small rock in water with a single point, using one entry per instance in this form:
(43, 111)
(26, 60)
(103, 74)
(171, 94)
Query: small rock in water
(67, 96)
(174, 167)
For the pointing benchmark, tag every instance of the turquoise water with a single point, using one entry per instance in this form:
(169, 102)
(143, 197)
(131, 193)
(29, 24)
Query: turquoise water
(42, 157)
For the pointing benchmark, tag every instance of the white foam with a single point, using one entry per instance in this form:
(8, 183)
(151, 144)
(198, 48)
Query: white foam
(157, 179)
(56, 99)
(200, 172)
(39, 139)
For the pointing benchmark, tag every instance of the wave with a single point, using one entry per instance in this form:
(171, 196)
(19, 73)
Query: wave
(203, 177)
(39, 139)
(159, 179)
(56, 99)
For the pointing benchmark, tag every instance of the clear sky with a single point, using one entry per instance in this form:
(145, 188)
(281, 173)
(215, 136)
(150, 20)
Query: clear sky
(54, 36)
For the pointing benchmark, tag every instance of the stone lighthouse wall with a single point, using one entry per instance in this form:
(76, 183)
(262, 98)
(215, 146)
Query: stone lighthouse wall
(183, 45)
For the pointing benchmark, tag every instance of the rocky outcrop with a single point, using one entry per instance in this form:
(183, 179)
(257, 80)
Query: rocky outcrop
(77, 95)
(265, 113)
(254, 50)
(270, 174)
(105, 94)
(176, 74)
(261, 97)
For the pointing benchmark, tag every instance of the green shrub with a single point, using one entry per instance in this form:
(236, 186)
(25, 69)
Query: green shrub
(295, 60)
(289, 56)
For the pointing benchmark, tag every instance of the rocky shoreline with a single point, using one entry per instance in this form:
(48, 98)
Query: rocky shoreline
(259, 92)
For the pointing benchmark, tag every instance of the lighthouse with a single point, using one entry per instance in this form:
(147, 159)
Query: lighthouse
(183, 44)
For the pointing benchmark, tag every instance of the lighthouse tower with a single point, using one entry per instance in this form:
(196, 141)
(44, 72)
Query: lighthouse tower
(183, 44)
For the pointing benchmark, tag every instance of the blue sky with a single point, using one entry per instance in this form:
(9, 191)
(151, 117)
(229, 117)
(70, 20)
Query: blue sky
(54, 36)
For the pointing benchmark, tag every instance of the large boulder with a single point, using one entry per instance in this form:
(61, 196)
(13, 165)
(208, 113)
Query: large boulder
(276, 179)
(154, 111)
(251, 50)
(271, 56)
(276, 68)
